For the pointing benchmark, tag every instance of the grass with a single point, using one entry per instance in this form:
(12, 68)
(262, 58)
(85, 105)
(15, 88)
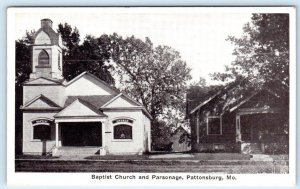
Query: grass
(280, 157)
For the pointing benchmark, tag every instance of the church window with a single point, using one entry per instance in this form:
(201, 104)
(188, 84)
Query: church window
(43, 58)
(122, 132)
(42, 132)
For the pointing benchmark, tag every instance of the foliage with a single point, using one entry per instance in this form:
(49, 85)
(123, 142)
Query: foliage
(23, 58)
(89, 56)
(155, 76)
(262, 53)
(161, 136)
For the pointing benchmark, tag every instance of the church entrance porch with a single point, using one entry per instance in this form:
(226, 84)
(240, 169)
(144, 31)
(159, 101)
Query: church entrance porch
(81, 134)
(84, 136)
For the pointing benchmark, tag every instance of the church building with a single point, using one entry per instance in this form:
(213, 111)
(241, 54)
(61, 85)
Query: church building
(84, 116)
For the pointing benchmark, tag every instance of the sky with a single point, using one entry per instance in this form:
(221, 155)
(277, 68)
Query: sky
(199, 34)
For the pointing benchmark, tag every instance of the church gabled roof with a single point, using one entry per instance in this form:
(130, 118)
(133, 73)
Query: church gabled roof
(80, 108)
(44, 81)
(125, 99)
(97, 100)
(94, 77)
(41, 102)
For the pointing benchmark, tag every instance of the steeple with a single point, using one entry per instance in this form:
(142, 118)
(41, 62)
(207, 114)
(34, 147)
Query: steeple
(47, 52)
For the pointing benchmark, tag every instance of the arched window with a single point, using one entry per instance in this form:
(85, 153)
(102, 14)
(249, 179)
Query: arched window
(42, 132)
(43, 58)
(122, 132)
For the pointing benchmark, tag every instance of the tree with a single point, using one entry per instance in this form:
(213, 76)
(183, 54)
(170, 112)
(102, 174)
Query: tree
(90, 56)
(262, 53)
(262, 61)
(155, 76)
(23, 58)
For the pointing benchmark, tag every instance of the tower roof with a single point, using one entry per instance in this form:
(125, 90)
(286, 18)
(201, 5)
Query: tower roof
(46, 26)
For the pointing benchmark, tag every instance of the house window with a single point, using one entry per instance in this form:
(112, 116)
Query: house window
(43, 58)
(214, 125)
(42, 132)
(122, 132)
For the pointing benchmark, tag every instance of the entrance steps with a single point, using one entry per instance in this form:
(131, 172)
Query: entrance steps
(78, 151)
(251, 148)
(260, 157)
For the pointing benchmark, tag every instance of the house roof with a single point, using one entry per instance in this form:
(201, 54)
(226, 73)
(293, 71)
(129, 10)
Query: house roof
(231, 96)
(204, 95)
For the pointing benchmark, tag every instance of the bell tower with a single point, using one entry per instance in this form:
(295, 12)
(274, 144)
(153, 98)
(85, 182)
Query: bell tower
(47, 52)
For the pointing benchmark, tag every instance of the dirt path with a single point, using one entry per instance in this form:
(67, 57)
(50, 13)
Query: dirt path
(151, 166)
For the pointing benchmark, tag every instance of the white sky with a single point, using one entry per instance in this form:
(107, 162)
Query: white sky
(197, 33)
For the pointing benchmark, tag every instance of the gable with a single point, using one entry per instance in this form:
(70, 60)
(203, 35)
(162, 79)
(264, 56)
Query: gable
(80, 108)
(262, 99)
(41, 102)
(86, 85)
(42, 81)
(121, 101)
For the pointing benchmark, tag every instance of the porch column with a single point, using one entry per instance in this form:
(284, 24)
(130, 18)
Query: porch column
(56, 134)
(103, 124)
(238, 128)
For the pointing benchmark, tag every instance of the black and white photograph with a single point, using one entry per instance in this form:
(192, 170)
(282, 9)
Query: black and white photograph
(173, 95)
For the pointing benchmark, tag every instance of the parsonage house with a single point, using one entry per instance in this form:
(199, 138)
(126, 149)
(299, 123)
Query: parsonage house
(82, 116)
(230, 119)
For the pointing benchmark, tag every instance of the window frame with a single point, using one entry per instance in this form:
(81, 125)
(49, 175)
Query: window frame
(207, 125)
(122, 139)
(43, 65)
(38, 139)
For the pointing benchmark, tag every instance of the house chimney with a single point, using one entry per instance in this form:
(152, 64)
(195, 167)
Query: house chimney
(46, 23)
